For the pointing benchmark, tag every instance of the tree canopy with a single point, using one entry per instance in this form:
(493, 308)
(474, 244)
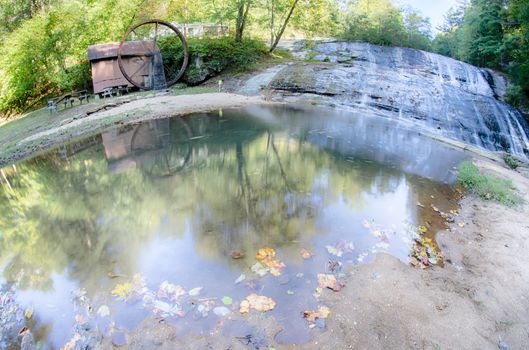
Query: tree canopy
(490, 33)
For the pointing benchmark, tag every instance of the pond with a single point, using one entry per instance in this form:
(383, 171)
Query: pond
(168, 220)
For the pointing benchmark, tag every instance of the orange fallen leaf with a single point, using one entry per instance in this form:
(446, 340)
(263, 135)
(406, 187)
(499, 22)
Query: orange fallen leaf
(312, 315)
(265, 253)
(237, 254)
(329, 281)
(305, 254)
(267, 257)
(257, 302)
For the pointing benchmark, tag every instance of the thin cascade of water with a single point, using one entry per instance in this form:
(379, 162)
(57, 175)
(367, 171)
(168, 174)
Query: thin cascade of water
(506, 129)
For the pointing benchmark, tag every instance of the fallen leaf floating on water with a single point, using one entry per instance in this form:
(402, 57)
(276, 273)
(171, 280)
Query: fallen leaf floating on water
(330, 282)
(173, 292)
(103, 311)
(23, 331)
(130, 290)
(221, 311)
(227, 300)
(256, 302)
(195, 291)
(72, 344)
(122, 290)
(240, 279)
(166, 310)
(259, 269)
(311, 315)
(305, 254)
(265, 253)
(205, 307)
(332, 250)
(245, 306)
(267, 257)
(237, 254)
(317, 292)
(28, 313)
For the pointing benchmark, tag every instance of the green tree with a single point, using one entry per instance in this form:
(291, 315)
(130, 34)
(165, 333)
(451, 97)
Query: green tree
(380, 22)
(483, 33)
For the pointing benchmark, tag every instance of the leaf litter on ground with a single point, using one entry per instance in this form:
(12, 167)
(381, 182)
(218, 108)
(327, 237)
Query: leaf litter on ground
(424, 253)
(312, 315)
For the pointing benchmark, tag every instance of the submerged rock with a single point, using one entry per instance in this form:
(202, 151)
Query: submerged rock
(437, 93)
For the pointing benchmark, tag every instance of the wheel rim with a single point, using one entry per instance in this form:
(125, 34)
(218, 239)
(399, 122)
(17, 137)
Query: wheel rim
(160, 27)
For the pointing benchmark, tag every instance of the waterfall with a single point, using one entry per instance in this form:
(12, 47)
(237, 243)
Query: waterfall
(436, 93)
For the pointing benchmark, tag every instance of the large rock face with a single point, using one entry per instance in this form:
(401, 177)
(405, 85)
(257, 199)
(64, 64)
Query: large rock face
(434, 92)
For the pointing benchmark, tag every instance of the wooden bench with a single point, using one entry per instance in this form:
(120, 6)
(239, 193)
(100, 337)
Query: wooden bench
(107, 92)
(81, 96)
(54, 102)
(67, 99)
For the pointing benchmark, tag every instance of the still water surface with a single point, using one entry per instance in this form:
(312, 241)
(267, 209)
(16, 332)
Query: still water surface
(170, 200)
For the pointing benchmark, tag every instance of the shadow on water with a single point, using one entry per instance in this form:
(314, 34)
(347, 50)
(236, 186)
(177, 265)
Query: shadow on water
(169, 201)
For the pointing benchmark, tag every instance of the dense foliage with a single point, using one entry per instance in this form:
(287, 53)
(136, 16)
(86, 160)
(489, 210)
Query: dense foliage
(380, 22)
(215, 55)
(490, 33)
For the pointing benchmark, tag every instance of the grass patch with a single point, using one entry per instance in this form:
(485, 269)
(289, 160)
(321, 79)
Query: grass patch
(487, 186)
(195, 90)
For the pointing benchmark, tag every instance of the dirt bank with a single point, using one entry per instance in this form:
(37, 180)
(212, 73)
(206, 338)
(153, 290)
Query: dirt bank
(83, 122)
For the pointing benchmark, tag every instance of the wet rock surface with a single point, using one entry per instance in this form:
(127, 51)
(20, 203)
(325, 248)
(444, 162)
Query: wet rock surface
(439, 94)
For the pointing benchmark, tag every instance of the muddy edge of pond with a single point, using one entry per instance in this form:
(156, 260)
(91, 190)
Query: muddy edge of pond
(122, 113)
(479, 300)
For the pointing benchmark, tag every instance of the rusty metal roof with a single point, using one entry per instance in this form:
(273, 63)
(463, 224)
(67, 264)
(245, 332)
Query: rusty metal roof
(130, 48)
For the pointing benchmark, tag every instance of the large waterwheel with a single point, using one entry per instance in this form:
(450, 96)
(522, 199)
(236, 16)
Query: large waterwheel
(153, 55)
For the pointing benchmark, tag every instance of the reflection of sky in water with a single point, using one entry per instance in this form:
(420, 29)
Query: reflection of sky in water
(113, 210)
(52, 307)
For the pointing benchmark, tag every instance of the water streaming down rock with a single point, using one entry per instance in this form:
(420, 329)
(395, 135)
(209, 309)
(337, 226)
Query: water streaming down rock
(436, 93)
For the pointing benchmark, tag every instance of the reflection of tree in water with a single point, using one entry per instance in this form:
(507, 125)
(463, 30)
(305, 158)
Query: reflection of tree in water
(243, 187)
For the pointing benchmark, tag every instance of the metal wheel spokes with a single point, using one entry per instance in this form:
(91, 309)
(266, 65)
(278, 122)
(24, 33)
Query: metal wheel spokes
(153, 55)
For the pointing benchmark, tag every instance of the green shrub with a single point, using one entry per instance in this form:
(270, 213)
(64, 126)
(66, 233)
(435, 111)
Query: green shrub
(214, 56)
(487, 186)
(511, 161)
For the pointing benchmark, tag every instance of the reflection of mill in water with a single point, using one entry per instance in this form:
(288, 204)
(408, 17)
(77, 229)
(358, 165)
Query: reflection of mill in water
(158, 147)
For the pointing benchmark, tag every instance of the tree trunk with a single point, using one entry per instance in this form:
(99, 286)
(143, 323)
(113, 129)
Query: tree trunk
(284, 26)
(272, 21)
(242, 15)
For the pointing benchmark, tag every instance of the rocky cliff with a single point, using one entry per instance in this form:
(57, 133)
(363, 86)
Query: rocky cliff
(435, 93)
